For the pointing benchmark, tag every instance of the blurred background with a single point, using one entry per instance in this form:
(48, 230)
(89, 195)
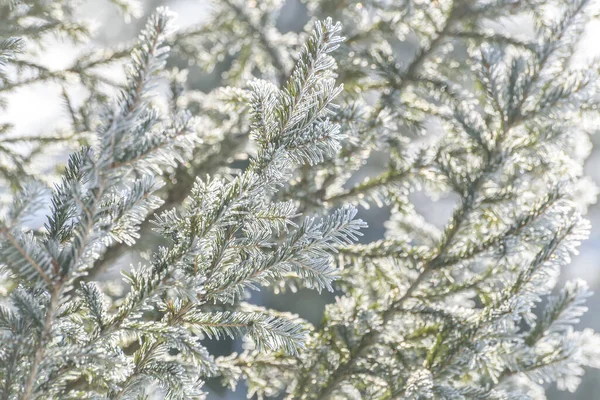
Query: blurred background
(111, 30)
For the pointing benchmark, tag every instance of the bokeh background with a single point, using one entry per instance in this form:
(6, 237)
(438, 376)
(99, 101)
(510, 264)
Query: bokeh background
(50, 114)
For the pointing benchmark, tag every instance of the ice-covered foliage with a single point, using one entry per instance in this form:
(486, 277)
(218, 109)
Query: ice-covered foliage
(455, 104)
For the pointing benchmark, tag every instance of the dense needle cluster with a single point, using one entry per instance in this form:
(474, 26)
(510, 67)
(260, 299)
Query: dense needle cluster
(253, 186)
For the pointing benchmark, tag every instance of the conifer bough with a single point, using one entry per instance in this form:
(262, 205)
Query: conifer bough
(468, 311)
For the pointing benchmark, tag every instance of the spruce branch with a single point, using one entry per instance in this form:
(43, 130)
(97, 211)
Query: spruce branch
(218, 195)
